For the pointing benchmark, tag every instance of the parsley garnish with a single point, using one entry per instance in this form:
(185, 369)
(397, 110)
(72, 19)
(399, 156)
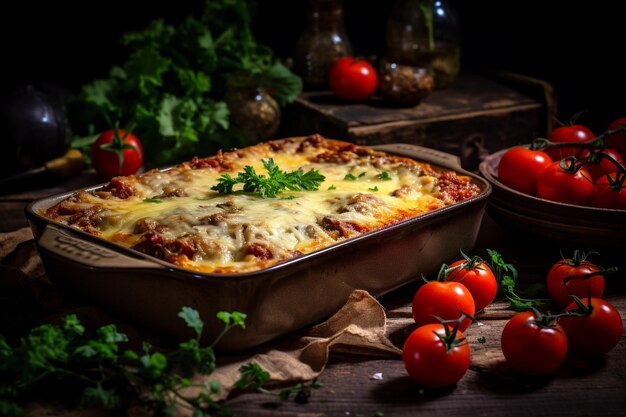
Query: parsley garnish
(349, 177)
(152, 200)
(275, 182)
(362, 174)
(374, 188)
(332, 187)
(384, 176)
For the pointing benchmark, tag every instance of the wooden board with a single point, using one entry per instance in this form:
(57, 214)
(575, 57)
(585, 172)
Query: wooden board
(474, 116)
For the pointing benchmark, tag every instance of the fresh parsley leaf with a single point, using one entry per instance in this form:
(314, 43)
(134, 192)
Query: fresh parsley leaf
(152, 200)
(275, 182)
(362, 174)
(384, 176)
(332, 187)
(374, 188)
(252, 376)
(349, 177)
(482, 339)
(192, 318)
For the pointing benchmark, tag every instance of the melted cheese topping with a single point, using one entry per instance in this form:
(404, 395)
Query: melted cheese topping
(176, 216)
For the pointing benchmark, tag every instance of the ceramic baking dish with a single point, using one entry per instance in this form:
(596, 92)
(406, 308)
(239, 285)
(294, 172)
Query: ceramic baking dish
(277, 300)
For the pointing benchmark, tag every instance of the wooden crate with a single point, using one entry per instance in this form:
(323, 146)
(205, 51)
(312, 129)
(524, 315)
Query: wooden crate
(475, 116)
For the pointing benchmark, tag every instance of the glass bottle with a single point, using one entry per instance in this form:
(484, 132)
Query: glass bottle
(322, 42)
(425, 33)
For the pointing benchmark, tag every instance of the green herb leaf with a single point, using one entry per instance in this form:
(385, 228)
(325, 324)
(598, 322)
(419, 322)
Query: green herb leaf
(269, 186)
(349, 177)
(374, 188)
(192, 319)
(384, 176)
(331, 188)
(152, 200)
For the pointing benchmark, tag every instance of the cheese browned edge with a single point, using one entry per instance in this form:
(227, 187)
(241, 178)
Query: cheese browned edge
(175, 216)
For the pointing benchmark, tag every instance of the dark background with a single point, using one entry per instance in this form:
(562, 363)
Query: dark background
(576, 46)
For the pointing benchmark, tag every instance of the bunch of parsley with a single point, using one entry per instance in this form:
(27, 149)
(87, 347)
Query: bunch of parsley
(170, 91)
(65, 360)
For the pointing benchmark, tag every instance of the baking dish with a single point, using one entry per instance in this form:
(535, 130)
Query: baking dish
(278, 299)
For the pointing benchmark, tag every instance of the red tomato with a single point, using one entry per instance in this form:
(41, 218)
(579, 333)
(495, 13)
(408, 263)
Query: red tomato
(595, 333)
(446, 300)
(478, 278)
(567, 278)
(520, 169)
(115, 153)
(606, 196)
(574, 133)
(352, 79)
(605, 166)
(434, 362)
(618, 142)
(558, 185)
(531, 348)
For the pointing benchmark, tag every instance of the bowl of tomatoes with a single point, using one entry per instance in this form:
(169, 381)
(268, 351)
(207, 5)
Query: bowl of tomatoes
(571, 221)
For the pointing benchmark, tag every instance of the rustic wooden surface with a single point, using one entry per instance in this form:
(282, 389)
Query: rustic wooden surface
(579, 388)
(474, 114)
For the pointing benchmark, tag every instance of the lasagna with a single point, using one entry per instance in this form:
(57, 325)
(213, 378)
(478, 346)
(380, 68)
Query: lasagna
(182, 216)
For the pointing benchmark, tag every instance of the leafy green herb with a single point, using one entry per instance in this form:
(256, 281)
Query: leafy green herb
(302, 391)
(349, 177)
(507, 275)
(374, 188)
(332, 187)
(95, 368)
(362, 174)
(384, 176)
(172, 87)
(275, 182)
(152, 200)
(482, 339)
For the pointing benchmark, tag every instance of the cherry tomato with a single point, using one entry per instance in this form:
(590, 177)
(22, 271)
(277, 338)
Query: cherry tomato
(446, 300)
(595, 333)
(574, 133)
(567, 278)
(116, 152)
(353, 80)
(606, 196)
(556, 184)
(531, 348)
(618, 142)
(520, 169)
(605, 166)
(434, 362)
(478, 278)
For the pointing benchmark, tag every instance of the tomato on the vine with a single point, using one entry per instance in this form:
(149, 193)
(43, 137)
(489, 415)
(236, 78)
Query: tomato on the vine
(604, 166)
(352, 79)
(116, 152)
(445, 300)
(532, 346)
(436, 356)
(479, 279)
(556, 184)
(596, 331)
(574, 276)
(607, 195)
(618, 141)
(521, 167)
(573, 133)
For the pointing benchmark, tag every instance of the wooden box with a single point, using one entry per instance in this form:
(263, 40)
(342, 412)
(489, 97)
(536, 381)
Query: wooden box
(475, 116)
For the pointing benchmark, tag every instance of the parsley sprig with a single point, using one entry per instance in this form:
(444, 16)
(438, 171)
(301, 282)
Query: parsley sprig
(271, 185)
(95, 369)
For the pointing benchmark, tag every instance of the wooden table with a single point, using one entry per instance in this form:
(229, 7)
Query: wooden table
(580, 388)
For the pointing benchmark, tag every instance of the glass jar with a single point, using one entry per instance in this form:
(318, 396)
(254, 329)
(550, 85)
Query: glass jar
(404, 84)
(425, 33)
(322, 42)
(253, 113)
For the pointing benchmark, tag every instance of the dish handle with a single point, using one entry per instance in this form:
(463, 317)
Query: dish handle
(61, 243)
(422, 153)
